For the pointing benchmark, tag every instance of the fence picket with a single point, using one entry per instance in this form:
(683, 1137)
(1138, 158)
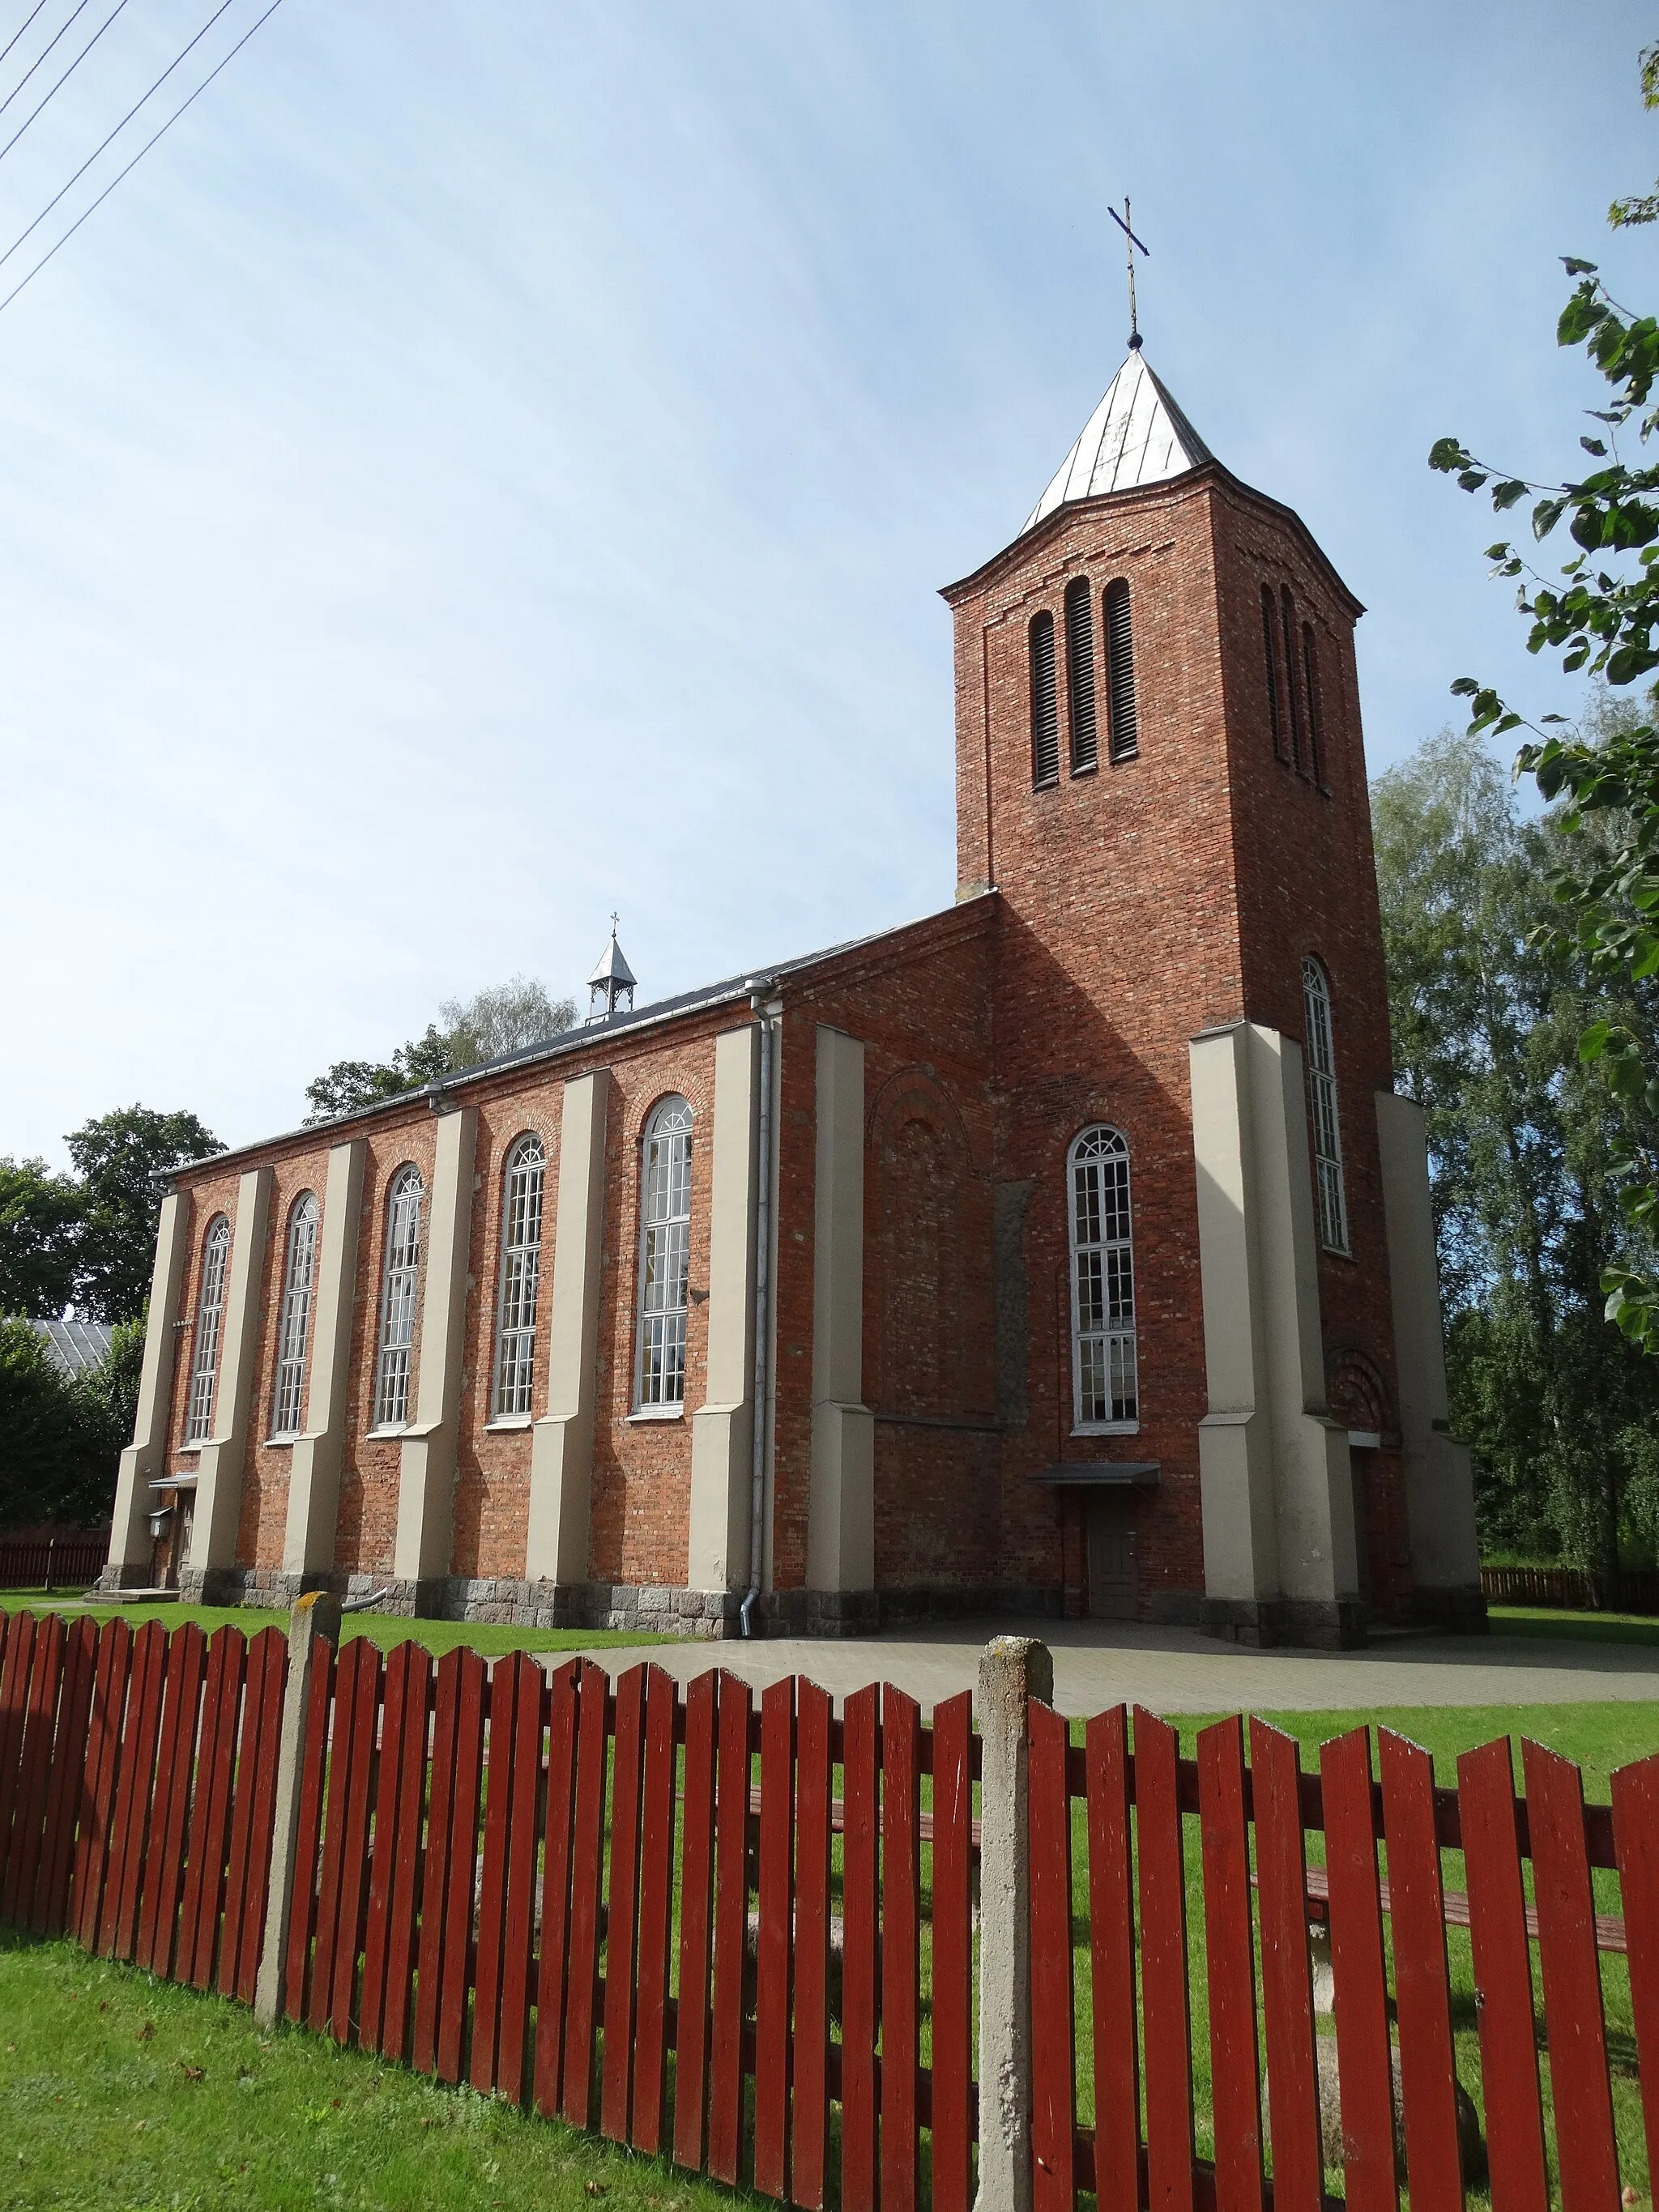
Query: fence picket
(462, 1863)
(953, 1954)
(774, 1938)
(75, 1715)
(507, 1686)
(810, 2118)
(623, 1906)
(523, 1837)
(697, 1918)
(210, 1833)
(1112, 1960)
(15, 1668)
(435, 1864)
(103, 1755)
(730, 1931)
(34, 1773)
(130, 1827)
(1427, 2077)
(1586, 2149)
(1359, 1973)
(556, 1886)
(656, 1911)
(256, 1788)
(1635, 1837)
(362, 1693)
(1053, 2065)
(1503, 1978)
(377, 1924)
(900, 1948)
(586, 1876)
(860, 2024)
(1286, 1973)
(408, 1855)
(348, 1719)
(1229, 1956)
(1163, 1966)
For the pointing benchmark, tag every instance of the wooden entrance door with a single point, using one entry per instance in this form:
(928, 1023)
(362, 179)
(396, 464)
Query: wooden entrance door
(1114, 1584)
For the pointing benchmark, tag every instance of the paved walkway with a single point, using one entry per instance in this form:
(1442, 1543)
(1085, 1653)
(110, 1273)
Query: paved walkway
(1172, 1670)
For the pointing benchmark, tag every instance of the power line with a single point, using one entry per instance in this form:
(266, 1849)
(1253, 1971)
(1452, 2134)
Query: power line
(21, 27)
(65, 77)
(38, 58)
(139, 156)
(118, 129)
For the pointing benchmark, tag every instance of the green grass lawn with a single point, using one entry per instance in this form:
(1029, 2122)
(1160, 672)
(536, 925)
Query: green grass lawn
(120, 2090)
(385, 1628)
(1573, 1627)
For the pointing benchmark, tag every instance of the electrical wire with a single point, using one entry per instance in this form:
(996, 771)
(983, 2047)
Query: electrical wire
(139, 156)
(38, 58)
(116, 133)
(65, 77)
(21, 27)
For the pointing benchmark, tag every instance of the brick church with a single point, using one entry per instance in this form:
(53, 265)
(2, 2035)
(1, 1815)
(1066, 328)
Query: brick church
(1066, 1252)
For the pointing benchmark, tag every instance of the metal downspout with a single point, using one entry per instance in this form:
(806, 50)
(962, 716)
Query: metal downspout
(762, 987)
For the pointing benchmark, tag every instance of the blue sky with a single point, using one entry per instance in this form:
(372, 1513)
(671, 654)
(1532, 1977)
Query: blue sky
(490, 465)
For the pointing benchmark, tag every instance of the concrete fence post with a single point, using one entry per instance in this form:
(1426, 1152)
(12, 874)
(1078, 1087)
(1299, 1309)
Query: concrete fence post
(1013, 1670)
(314, 1632)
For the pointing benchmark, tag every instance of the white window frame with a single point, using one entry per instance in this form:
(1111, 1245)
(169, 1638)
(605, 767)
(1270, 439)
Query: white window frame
(1327, 1129)
(210, 1329)
(288, 1397)
(664, 1257)
(1100, 1225)
(523, 1183)
(400, 1272)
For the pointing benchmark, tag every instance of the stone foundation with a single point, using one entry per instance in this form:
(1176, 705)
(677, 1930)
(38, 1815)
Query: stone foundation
(1307, 1624)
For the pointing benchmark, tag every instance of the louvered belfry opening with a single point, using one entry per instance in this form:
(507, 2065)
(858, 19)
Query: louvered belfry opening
(1310, 678)
(1080, 673)
(1288, 608)
(1123, 735)
(1045, 711)
(1270, 656)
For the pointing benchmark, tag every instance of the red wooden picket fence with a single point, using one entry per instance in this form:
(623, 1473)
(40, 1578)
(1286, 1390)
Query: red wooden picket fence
(69, 1562)
(739, 1932)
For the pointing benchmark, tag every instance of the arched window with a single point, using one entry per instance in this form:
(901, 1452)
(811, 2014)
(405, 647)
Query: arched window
(1123, 736)
(209, 1328)
(1080, 673)
(1321, 1107)
(1287, 609)
(521, 1267)
(1104, 1395)
(293, 1328)
(1270, 657)
(1311, 681)
(1045, 711)
(399, 1277)
(664, 1254)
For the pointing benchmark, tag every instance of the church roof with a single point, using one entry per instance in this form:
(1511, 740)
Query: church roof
(1137, 435)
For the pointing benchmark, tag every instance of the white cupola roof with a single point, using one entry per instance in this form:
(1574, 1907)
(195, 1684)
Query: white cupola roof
(1137, 435)
(612, 980)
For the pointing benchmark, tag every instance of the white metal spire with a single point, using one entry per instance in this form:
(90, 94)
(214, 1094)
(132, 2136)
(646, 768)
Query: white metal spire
(612, 980)
(1137, 435)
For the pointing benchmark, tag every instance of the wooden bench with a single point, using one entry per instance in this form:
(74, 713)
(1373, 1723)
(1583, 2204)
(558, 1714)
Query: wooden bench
(1609, 1929)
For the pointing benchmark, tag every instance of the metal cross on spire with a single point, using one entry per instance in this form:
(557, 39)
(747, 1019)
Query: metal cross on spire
(1130, 242)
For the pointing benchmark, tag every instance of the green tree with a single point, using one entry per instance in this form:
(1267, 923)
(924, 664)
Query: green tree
(122, 1159)
(1487, 1006)
(1599, 613)
(509, 1017)
(40, 1222)
(61, 1438)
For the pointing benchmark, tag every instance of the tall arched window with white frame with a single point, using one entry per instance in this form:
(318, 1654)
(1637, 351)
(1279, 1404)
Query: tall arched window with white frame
(293, 1323)
(209, 1328)
(664, 1256)
(1105, 1391)
(1321, 1108)
(399, 1278)
(521, 1268)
